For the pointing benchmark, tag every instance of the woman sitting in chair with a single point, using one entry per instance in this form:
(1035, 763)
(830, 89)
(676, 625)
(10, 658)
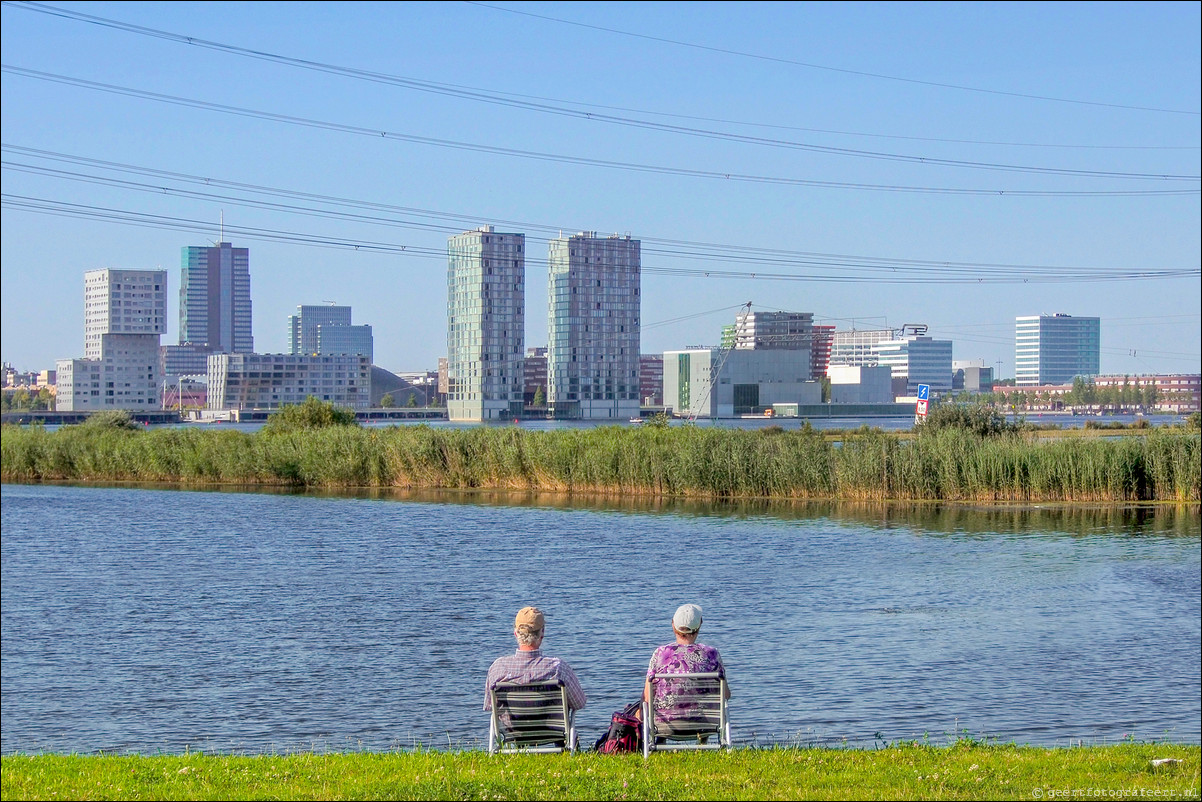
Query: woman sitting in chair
(685, 656)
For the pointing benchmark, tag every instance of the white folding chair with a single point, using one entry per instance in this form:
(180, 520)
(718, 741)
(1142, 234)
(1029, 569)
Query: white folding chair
(531, 718)
(691, 714)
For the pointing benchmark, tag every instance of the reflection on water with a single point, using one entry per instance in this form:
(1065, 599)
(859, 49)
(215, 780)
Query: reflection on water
(147, 619)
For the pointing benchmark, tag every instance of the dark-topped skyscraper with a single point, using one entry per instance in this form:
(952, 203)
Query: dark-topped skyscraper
(214, 299)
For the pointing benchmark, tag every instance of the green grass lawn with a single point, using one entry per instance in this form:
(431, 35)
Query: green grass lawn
(965, 770)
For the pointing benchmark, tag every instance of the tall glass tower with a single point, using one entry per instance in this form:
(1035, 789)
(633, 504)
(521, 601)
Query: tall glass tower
(486, 325)
(1055, 349)
(214, 299)
(593, 326)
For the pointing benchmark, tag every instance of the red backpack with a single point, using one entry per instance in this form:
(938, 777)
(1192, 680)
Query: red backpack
(625, 733)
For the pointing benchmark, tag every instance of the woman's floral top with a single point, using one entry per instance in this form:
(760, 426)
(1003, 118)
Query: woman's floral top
(678, 658)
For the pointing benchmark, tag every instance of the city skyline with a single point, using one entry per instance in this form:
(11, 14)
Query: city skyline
(872, 165)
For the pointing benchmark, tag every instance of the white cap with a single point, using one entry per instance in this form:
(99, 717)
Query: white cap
(687, 618)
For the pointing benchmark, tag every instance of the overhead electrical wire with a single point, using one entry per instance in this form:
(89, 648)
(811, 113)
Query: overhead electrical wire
(454, 222)
(629, 166)
(515, 100)
(90, 211)
(861, 73)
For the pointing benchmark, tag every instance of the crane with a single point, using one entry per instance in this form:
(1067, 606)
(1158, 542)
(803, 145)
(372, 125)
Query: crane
(716, 366)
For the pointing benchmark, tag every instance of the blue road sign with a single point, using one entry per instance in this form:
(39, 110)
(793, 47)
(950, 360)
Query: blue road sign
(924, 392)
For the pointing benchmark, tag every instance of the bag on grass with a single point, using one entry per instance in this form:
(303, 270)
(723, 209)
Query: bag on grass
(625, 733)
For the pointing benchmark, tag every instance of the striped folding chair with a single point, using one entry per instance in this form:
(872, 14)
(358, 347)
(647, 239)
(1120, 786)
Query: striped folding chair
(689, 714)
(531, 718)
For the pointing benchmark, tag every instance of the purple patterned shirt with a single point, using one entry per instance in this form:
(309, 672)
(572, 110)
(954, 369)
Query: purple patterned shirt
(680, 658)
(532, 667)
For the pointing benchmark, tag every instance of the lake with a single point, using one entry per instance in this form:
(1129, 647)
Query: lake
(163, 620)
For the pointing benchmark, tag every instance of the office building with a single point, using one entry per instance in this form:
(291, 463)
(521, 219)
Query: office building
(124, 316)
(486, 325)
(712, 382)
(777, 331)
(915, 360)
(269, 381)
(593, 326)
(972, 376)
(1055, 349)
(820, 350)
(651, 380)
(856, 348)
(535, 375)
(861, 384)
(326, 330)
(214, 299)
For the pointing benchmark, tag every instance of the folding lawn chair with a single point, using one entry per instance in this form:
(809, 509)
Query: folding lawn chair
(531, 718)
(694, 716)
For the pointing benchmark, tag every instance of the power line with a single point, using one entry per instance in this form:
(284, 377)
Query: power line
(812, 66)
(87, 211)
(580, 160)
(864, 266)
(507, 98)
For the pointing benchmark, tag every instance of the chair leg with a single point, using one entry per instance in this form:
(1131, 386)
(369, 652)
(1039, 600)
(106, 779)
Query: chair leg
(647, 739)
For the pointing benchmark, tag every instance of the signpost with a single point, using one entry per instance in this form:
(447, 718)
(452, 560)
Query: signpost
(924, 401)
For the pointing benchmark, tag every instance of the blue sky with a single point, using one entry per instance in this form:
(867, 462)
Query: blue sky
(876, 164)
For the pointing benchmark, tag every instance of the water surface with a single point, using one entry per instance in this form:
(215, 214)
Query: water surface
(162, 620)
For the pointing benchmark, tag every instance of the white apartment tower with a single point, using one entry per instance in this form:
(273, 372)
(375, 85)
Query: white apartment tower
(486, 325)
(593, 326)
(124, 312)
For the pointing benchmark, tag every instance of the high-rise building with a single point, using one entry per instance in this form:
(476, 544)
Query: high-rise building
(124, 314)
(327, 329)
(593, 287)
(214, 299)
(486, 324)
(1055, 349)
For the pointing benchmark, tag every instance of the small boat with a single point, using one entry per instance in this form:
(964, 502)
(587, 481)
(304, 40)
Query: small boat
(636, 420)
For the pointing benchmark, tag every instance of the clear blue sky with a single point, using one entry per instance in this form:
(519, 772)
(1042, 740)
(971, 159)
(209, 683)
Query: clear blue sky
(875, 164)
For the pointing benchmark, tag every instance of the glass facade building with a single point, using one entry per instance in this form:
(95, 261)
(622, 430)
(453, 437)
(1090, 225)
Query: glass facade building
(1055, 349)
(593, 298)
(327, 329)
(917, 360)
(486, 325)
(214, 299)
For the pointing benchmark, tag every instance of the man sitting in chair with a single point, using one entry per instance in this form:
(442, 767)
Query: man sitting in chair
(685, 656)
(529, 665)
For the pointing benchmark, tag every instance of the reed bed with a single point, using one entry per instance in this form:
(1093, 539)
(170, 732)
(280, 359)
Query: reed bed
(688, 461)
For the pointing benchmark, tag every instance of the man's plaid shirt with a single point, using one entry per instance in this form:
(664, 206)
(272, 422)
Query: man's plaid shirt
(532, 667)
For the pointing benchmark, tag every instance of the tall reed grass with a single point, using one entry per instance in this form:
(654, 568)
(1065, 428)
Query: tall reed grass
(687, 461)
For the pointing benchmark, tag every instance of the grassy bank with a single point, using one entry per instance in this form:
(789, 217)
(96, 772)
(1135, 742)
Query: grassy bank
(688, 461)
(961, 771)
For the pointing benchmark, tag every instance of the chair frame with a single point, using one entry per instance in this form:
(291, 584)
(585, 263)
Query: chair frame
(719, 735)
(547, 693)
